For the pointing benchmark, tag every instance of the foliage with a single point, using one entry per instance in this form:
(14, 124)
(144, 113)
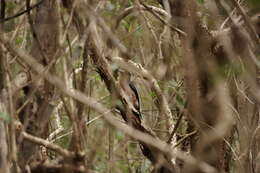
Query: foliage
(194, 76)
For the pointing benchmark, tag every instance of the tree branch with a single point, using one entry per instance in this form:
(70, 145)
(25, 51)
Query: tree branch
(108, 116)
(46, 144)
(22, 12)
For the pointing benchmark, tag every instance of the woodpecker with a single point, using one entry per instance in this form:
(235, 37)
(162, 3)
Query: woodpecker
(132, 93)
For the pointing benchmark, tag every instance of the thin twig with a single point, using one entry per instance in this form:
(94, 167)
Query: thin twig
(46, 144)
(22, 12)
(247, 21)
(175, 128)
(2, 11)
(179, 31)
(132, 9)
(34, 33)
(185, 137)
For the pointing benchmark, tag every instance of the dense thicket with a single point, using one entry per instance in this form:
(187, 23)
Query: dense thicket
(167, 86)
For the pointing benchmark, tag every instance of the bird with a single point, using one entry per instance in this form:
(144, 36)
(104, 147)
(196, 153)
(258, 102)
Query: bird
(131, 91)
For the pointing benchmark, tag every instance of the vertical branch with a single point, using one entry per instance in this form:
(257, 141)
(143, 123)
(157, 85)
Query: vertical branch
(2, 16)
(45, 29)
(4, 165)
(110, 150)
(205, 87)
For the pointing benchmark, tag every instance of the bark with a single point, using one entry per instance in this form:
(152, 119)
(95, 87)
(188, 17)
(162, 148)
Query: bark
(204, 92)
(3, 149)
(45, 46)
(4, 165)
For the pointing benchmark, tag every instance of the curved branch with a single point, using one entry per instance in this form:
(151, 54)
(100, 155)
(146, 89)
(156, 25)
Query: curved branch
(46, 144)
(133, 9)
(154, 11)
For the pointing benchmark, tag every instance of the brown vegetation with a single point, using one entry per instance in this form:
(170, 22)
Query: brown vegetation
(175, 81)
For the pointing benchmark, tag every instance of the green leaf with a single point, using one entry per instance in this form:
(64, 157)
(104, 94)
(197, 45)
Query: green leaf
(18, 41)
(97, 77)
(200, 1)
(153, 95)
(10, 5)
(119, 103)
(180, 100)
(125, 24)
(4, 116)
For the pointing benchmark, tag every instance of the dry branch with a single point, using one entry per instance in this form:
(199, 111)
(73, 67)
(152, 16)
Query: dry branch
(46, 144)
(108, 116)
